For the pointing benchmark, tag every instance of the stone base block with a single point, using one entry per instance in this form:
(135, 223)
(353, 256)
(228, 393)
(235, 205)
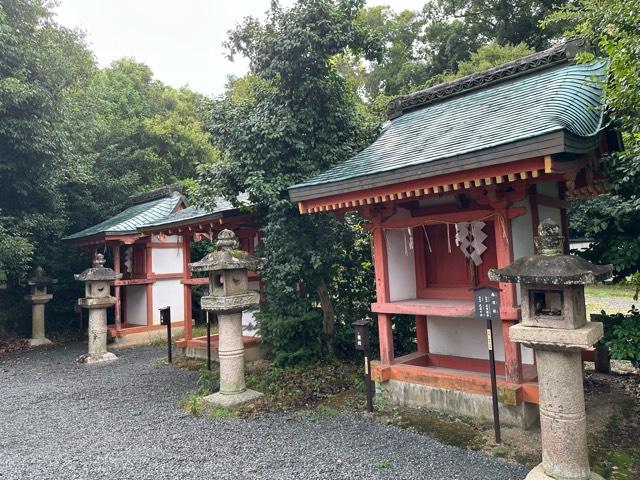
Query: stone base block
(105, 357)
(538, 474)
(38, 342)
(232, 401)
(456, 403)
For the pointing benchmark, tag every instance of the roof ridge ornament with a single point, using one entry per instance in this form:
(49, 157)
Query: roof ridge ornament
(226, 240)
(555, 55)
(549, 242)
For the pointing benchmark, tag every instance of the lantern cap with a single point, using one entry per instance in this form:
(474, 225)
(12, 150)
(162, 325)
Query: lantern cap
(227, 256)
(363, 322)
(549, 266)
(39, 278)
(98, 272)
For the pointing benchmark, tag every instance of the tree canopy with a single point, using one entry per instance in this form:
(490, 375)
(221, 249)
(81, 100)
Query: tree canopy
(613, 222)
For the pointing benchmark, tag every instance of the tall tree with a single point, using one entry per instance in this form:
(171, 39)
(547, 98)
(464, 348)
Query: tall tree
(40, 62)
(613, 222)
(293, 117)
(455, 28)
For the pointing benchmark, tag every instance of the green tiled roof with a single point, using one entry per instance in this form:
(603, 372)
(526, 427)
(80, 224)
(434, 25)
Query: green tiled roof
(566, 97)
(132, 218)
(193, 213)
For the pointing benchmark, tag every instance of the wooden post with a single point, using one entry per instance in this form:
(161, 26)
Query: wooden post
(148, 270)
(422, 336)
(385, 330)
(186, 274)
(115, 248)
(504, 254)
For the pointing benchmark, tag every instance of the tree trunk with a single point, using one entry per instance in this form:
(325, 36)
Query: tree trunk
(328, 316)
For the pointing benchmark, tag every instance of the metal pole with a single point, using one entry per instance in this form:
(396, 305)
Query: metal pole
(494, 386)
(208, 341)
(367, 382)
(169, 339)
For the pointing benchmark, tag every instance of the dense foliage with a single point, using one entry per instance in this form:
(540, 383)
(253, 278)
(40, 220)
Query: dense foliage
(75, 142)
(295, 116)
(614, 222)
(622, 335)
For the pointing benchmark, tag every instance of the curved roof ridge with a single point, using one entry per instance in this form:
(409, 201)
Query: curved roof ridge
(132, 217)
(555, 55)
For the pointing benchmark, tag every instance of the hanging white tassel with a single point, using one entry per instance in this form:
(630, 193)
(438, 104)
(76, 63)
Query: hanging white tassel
(404, 237)
(448, 239)
(410, 232)
(427, 237)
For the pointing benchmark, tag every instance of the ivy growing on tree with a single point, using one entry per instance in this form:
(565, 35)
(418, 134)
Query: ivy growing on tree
(293, 117)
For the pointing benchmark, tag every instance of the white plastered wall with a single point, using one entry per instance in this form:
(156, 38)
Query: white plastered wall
(463, 337)
(401, 262)
(136, 304)
(166, 260)
(522, 238)
(168, 293)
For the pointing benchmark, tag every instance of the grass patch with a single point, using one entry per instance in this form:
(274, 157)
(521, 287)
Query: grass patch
(608, 291)
(615, 452)
(298, 387)
(500, 451)
(461, 432)
(201, 330)
(382, 463)
(194, 404)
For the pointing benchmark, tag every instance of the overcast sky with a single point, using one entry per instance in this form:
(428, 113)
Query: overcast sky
(181, 40)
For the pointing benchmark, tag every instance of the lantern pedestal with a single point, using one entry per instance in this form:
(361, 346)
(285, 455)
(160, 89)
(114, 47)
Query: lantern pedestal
(38, 302)
(554, 324)
(97, 287)
(97, 329)
(563, 422)
(38, 298)
(229, 297)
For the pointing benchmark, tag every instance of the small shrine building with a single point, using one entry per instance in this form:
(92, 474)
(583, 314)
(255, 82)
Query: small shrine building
(149, 243)
(456, 184)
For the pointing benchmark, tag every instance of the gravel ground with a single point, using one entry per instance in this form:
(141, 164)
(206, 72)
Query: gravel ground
(61, 420)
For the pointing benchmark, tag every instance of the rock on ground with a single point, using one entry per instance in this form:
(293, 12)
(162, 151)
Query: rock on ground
(63, 420)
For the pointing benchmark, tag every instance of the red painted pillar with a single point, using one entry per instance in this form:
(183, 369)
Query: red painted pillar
(148, 251)
(186, 275)
(116, 268)
(512, 355)
(422, 336)
(385, 328)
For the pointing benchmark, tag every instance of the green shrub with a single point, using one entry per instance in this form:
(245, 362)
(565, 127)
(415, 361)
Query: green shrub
(294, 333)
(622, 335)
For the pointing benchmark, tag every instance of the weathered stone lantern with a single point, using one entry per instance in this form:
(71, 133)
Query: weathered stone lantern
(38, 298)
(98, 280)
(229, 296)
(554, 324)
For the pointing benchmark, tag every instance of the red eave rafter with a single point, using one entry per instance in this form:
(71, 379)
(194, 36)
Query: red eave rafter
(531, 168)
(200, 226)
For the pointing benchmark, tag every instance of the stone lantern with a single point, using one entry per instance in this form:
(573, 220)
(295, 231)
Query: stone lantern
(554, 324)
(98, 280)
(229, 296)
(38, 298)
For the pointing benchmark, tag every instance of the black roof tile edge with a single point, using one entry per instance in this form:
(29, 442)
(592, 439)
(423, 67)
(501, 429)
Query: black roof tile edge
(558, 54)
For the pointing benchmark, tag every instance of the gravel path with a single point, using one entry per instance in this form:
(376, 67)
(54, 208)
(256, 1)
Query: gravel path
(60, 420)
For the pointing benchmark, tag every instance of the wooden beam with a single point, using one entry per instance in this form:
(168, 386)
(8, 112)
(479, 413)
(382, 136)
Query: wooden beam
(552, 202)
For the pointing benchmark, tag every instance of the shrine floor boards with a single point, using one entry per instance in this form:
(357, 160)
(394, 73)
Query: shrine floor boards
(62, 420)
